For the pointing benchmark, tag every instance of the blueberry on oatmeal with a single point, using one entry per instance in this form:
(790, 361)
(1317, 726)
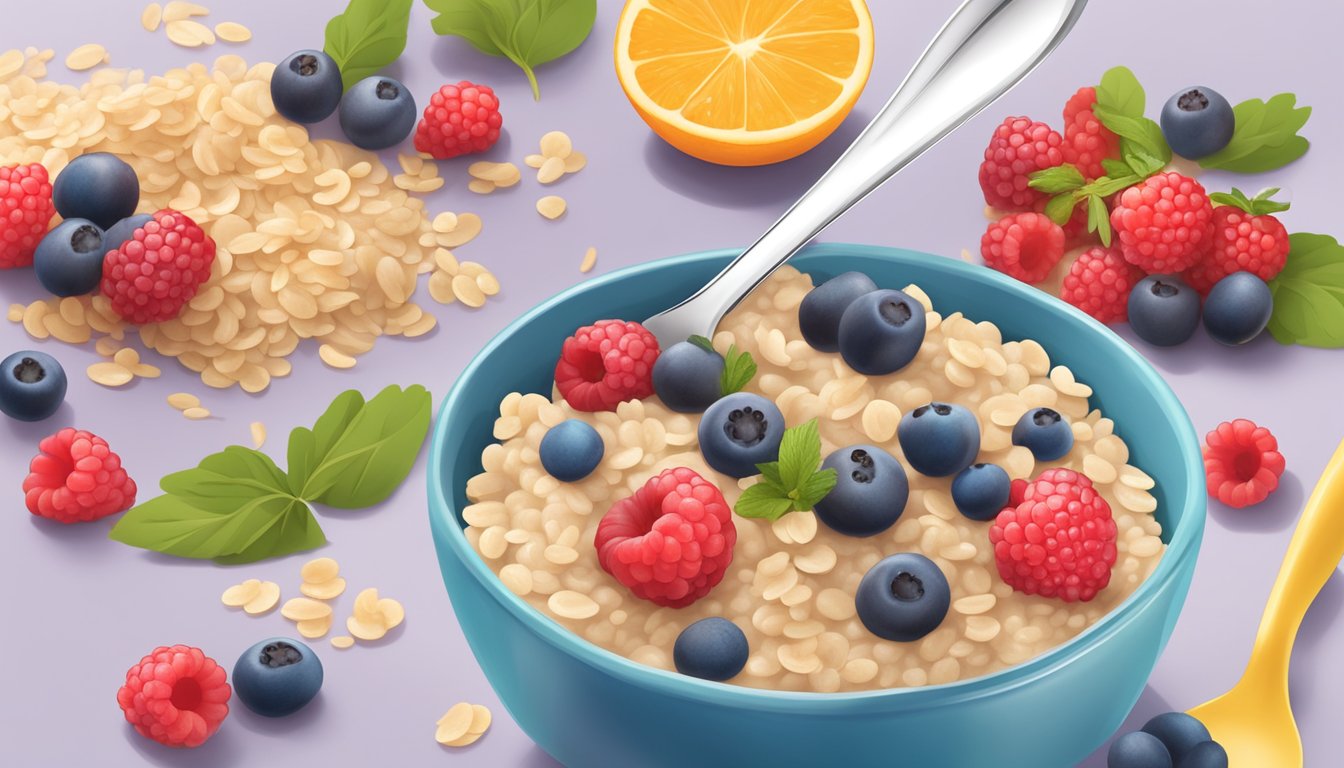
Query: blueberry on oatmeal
(1045, 432)
(571, 450)
(740, 431)
(711, 649)
(939, 439)
(687, 376)
(981, 491)
(903, 597)
(820, 312)
(870, 491)
(881, 332)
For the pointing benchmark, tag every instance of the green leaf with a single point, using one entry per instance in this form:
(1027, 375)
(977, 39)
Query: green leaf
(1060, 208)
(1265, 137)
(1115, 168)
(1309, 294)
(310, 447)
(738, 370)
(1120, 105)
(763, 500)
(527, 32)
(373, 452)
(1061, 178)
(367, 37)
(234, 505)
(799, 454)
(815, 488)
(770, 471)
(1260, 205)
(703, 343)
(1121, 93)
(1099, 219)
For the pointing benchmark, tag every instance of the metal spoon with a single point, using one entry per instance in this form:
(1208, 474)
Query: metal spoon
(1254, 721)
(986, 48)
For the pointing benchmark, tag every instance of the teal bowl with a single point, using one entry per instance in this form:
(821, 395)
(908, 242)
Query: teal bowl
(590, 708)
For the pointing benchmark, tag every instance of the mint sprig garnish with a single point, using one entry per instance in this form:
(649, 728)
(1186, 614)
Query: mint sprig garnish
(1260, 205)
(1265, 137)
(1309, 293)
(795, 483)
(738, 370)
(237, 506)
(368, 36)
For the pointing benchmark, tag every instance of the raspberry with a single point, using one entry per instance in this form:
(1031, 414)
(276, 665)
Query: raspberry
(76, 478)
(1086, 141)
(606, 363)
(1242, 463)
(155, 273)
(1018, 149)
(176, 696)
(460, 120)
(1099, 283)
(1164, 224)
(1059, 542)
(25, 211)
(1017, 491)
(1023, 245)
(1241, 243)
(671, 542)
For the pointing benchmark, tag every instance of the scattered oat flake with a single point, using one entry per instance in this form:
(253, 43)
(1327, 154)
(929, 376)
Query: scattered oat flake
(551, 170)
(178, 10)
(232, 32)
(320, 569)
(268, 594)
(589, 261)
(109, 374)
(183, 400)
(534, 161)
(190, 34)
(151, 17)
(15, 313)
(314, 628)
(455, 723)
(86, 56)
(342, 642)
(258, 431)
(481, 186)
(241, 594)
(305, 609)
(197, 413)
(552, 207)
(556, 144)
(326, 590)
(576, 162)
(334, 357)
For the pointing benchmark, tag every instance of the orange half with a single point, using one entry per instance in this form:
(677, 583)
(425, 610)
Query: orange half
(744, 82)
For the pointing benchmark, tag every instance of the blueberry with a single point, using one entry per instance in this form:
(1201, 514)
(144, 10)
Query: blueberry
(1163, 310)
(870, 491)
(740, 431)
(903, 597)
(1210, 754)
(939, 439)
(881, 332)
(1178, 732)
(1197, 122)
(819, 314)
(1238, 308)
(69, 260)
(306, 86)
(377, 112)
(711, 649)
(1045, 432)
(1137, 750)
(571, 450)
(32, 386)
(99, 187)
(688, 377)
(981, 491)
(124, 230)
(277, 677)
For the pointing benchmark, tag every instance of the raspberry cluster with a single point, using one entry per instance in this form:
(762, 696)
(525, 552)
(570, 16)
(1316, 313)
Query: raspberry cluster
(605, 364)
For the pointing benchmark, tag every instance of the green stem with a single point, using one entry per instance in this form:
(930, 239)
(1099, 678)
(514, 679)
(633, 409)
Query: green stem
(532, 79)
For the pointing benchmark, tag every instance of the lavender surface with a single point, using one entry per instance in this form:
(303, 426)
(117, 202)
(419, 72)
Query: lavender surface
(81, 609)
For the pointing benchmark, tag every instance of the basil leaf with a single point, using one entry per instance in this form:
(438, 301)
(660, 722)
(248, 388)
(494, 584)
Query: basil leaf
(1309, 294)
(367, 37)
(762, 501)
(527, 32)
(374, 451)
(1265, 137)
(234, 505)
(308, 448)
(1061, 178)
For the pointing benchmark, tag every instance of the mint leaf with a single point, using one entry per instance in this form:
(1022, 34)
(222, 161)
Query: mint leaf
(1120, 105)
(371, 453)
(1121, 93)
(527, 32)
(1309, 294)
(1260, 205)
(1115, 168)
(703, 343)
(815, 488)
(367, 37)
(738, 370)
(1061, 178)
(1060, 208)
(799, 454)
(1265, 137)
(236, 505)
(1099, 219)
(770, 471)
(306, 452)
(763, 500)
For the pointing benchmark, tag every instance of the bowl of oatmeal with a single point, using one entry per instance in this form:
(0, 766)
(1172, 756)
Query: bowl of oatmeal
(1004, 678)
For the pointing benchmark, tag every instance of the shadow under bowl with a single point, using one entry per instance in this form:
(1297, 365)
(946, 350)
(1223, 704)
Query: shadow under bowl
(591, 708)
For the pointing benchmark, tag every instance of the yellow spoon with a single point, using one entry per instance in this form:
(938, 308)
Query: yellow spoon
(1254, 721)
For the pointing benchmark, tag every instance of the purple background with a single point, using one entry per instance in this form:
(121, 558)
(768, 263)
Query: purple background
(81, 609)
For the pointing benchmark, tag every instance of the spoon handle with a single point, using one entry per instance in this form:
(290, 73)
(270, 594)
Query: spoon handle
(1313, 554)
(985, 49)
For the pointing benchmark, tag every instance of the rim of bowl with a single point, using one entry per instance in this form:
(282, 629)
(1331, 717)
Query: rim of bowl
(1182, 545)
